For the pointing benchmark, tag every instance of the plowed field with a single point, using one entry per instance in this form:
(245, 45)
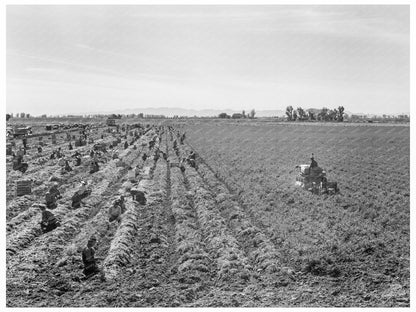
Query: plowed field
(235, 231)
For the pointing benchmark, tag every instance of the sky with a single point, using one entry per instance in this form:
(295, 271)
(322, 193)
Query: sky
(71, 59)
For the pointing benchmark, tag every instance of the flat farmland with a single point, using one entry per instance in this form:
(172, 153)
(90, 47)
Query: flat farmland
(350, 249)
(234, 231)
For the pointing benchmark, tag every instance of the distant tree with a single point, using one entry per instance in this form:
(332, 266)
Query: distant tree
(289, 112)
(140, 115)
(252, 113)
(332, 114)
(244, 114)
(28, 115)
(301, 113)
(323, 115)
(294, 115)
(223, 115)
(311, 116)
(340, 113)
(22, 115)
(8, 116)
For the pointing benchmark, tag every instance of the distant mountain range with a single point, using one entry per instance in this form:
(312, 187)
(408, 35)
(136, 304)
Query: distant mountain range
(175, 111)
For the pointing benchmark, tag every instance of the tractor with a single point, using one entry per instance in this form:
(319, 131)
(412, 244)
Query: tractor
(313, 179)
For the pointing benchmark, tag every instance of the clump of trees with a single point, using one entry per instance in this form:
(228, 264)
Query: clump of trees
(239, 115)
(325, 114)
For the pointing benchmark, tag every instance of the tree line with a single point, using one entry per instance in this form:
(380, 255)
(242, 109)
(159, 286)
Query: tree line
(325, 114)
(238, 115)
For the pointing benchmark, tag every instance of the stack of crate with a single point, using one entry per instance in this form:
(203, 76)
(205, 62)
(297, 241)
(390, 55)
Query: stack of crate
(23, 187)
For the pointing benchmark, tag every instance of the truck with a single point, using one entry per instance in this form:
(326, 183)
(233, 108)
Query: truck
(19, 131)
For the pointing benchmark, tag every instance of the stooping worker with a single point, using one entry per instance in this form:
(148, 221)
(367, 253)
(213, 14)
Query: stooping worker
(50, 200)
(116, 210)
(55, 191)
(49, 221)
(79, 195)
(138, 195)
(67, 166)
(89, 260)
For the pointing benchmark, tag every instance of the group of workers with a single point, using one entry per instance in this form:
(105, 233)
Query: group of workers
(50, 222)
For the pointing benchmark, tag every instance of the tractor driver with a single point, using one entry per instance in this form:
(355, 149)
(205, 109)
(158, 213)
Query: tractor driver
(314, 164)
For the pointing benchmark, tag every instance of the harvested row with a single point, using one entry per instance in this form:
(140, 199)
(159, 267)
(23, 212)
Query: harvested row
(140, 233)
(121, 246)
(258, 246)
(194, 264)
(233, 265)
(261, 251)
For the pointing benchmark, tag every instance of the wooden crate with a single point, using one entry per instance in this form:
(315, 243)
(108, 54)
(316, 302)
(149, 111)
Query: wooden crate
(23, 187)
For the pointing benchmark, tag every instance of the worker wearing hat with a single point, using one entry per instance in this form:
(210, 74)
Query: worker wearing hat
(88, 258)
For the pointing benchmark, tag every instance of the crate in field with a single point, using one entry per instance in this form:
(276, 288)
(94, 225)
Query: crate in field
(23, 187)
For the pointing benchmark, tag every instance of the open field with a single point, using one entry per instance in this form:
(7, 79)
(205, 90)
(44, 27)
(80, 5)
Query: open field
(234, 232)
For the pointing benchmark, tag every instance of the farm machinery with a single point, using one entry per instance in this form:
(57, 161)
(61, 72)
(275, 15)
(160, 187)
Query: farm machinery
(313, 178)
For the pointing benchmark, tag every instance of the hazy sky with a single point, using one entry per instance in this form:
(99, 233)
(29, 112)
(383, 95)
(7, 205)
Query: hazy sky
(76, 59)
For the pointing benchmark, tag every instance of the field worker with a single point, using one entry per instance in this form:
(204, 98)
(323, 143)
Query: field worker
(49, 221)
(67, 166)
(50, 200)
(126, 145)
(165, 156)
(192, 155)
(92, 153)
(78, 160)
(61, 162)
(94, 167)
(79, 195)
(144, 157)
(88, 258)
(83, 187)
(131, 174)
(156, 156)
(137, 170)
(117, 210)
(24, 141)
(20, 153)
(70, 146)
(114, 213)
(55, 191)
(181, 165)
(39, 149)
(138, 196)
